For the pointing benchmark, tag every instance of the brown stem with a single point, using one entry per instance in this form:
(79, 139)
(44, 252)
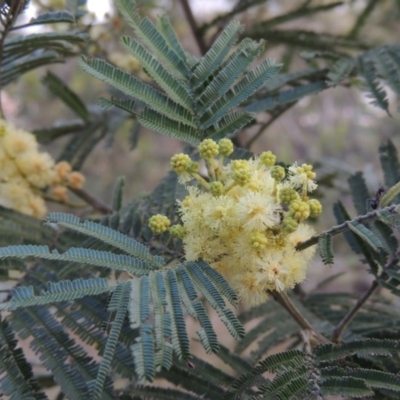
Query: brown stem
(342, 325)
(192, 23)
(266, 125)
(95, 203)
(283, 299)
(335, 230)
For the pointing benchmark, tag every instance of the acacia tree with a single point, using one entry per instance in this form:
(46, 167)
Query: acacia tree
(224, 226)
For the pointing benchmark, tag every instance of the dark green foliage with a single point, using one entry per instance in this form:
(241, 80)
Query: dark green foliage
(325, 249)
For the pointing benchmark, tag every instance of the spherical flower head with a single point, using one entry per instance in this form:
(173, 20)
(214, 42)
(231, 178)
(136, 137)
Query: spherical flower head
(278, 173)
(258, 240)
(239, 164)
(241, 176)
(301, 177)
(37, 207)
(225, 147)
(75, 180)
(216, 188)
(38, 168)
(257, 211)
(268, 158)
(177, 231)
(17, 141)
(315, 207)
(193, 167)
(308, 170)
(63, 169)
(208, 149)
(179, 163)
(159, 223)
(289, 224)
(60, 192)
(287, 195)
(301, 234)
(299, 210)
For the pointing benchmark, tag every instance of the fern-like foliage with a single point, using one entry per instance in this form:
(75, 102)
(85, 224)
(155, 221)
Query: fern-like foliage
(156, 298)
(22, 53)
(305, 375)
(195, 98)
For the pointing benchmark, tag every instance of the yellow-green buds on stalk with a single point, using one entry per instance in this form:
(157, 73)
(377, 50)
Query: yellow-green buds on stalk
(258, 240)
(208, 149)
(308, 170)
(179, 163)
(217, 188)
(225, 147)
(268, 158)
(177, 231)
(241, 176)
(159, 223)
(315, 207)
(193, 167)
(278, 173)
(245, 219)
(287, 195)
(290, 224)
(299, 210)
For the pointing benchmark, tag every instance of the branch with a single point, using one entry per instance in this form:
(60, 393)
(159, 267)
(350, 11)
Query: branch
(342, 325)
(96, 204)
(335, 230)
(192, 23)
(283, 299)
(267, 124)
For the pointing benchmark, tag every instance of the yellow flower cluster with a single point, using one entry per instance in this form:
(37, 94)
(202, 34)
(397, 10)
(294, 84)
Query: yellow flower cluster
(25, 172)
(246, 219)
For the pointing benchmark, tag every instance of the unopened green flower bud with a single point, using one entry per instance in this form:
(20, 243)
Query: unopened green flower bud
(278, 173)
(315, 207)
(179, 163)
(308, 170)
(289, 224)
(236, 164)
(258, 240)
(241, 176)
(216, 188)
(177, 231)
(159, 223)
(225, 147)
(268, 158)
(299, 210)
(287, 195)
(208, 149)
(193, 167)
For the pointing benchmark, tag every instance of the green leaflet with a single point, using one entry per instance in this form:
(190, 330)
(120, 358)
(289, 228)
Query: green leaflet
(217, 52)
(325, 249)
(107, 235)
(79, 255)
(134, 87)
(56, 292)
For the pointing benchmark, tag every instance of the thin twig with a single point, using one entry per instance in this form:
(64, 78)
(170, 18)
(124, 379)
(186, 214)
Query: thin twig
(95, 203)
(335, 230)
(283, 299)
(392, 261)
(192, 23)
(267, 124)
(342, 325)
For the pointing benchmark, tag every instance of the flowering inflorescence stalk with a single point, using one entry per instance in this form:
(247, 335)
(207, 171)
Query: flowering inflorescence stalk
(25, 172)
(245, 219)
